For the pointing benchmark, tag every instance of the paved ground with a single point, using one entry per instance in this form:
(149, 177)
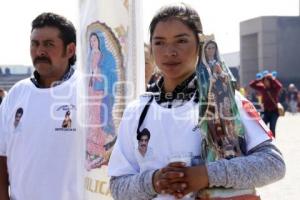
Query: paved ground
(288, 140)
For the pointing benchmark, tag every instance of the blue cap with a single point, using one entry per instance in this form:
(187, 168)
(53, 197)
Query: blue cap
(259, 75)
(264, 73)
(274, 73)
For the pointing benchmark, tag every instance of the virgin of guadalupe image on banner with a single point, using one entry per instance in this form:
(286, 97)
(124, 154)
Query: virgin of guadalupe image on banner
(104, 70)
(111, 60)
(104, 61)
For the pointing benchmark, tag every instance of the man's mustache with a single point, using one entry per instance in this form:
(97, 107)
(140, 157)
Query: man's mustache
(41, 59)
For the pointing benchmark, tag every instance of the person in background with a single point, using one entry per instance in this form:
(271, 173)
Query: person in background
(269, 87)
(181, 165)
(283, 98)
(39, 159)
(292, 95)
(2, 95)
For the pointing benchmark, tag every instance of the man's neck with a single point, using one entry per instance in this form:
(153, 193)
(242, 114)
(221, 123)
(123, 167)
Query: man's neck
(48, 82)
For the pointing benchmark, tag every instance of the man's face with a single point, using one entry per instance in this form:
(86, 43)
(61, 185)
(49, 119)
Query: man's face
(18, 117)
(143, 144)
(49, 56)
(1, 93)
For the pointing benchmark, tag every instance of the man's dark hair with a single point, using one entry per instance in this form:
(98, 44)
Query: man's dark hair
(142, 133)
(19, 111)
(66, 28)
(68, 113)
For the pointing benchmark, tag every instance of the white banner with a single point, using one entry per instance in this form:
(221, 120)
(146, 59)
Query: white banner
(113, 65)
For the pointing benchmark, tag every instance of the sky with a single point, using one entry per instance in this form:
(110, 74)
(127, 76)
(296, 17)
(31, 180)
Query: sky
(220, 17)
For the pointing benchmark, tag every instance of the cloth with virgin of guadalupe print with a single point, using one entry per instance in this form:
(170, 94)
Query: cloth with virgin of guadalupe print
(220, 123)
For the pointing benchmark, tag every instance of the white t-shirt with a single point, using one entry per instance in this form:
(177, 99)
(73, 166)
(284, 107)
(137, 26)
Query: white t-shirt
(171, 133)
(44, 159)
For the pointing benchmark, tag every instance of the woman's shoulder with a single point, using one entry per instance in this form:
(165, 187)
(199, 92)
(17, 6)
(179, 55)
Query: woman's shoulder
(240, 99)
(140, 102)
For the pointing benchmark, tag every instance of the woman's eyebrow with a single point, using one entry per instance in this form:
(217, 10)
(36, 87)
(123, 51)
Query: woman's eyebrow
(182, 35)
(176, 36)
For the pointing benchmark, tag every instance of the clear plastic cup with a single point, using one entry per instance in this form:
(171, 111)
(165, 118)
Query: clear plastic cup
(185, 157)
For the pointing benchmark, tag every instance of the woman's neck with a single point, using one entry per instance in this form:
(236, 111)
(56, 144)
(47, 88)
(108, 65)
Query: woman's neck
(211, 58)
(169, 85)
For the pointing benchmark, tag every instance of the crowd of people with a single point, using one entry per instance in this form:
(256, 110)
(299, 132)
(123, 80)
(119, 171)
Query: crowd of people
(271, 98)
(288, 96)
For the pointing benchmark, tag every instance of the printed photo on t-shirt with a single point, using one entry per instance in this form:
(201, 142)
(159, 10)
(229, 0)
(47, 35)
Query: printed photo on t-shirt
(143, 138)
(67, 123)
(18, 116)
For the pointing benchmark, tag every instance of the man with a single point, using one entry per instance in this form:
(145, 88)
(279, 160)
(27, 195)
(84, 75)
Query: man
(41, 161)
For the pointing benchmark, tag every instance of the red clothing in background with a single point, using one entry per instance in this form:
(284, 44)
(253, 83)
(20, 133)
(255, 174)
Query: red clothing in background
(273, 90)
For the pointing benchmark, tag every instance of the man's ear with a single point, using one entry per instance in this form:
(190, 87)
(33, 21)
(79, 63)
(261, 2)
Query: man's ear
(71, 49)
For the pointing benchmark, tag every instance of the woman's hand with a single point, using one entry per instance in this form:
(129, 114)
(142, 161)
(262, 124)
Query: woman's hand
(178, 180)
(166, 180)
(196, 178)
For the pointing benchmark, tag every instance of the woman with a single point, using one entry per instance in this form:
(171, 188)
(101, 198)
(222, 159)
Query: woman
(292, 98)
(170, 114)
(269, 87)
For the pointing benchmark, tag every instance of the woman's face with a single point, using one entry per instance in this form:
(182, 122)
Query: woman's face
(210, 50)
(175, 50)
(94, 42)
(266, 83)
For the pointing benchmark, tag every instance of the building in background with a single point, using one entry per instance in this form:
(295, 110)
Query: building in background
(232, 60)
(10, 74)
(270, 43)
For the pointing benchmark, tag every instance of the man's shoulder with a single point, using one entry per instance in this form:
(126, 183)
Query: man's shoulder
(22, 84)
(16, 93)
